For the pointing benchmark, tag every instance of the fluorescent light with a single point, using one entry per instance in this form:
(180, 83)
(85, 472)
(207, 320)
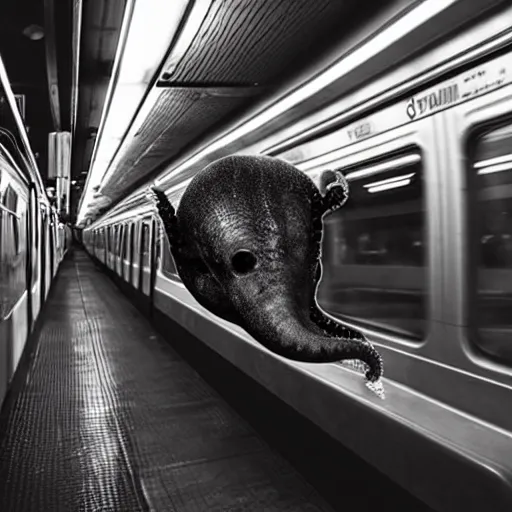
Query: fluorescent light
(185, 39)
(389, 180)
(148, 29)
(389, 186)
(496, 168)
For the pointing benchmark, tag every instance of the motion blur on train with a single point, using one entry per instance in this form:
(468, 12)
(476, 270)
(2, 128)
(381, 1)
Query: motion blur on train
(416, 112)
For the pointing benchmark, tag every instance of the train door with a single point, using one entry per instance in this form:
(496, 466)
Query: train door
(109, 246)
(43, 263)
(51, 244)
(32, 258)
(120, 265)
(154, 260)
(381, 251)
(144, 259)
(478, 199)
(125, 261)
(131, 256)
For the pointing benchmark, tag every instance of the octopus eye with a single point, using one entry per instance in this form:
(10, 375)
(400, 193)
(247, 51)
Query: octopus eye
(243, 261)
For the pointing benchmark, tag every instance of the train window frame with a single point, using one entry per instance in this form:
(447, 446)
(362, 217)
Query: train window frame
(472, 310)
(16, 261)
(386, 158)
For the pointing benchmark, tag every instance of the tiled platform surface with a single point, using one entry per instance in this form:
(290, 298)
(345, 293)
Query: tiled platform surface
(110, 418)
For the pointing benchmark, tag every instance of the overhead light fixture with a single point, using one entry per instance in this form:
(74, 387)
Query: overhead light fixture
(139, 56)
(186, 36)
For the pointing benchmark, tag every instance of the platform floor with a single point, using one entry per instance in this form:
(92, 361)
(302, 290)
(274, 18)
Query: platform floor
(110, 418)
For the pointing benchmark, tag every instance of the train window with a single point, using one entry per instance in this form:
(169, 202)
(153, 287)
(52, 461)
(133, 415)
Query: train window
(491, 212)
(158, 244)
(10, 199)
(126, 242)
(114, 233)
(373, 254)
(12, 258)
(132, 244)
(168, 265)
(35, 239)
(110, 236)
(146, 239)
(119, 240)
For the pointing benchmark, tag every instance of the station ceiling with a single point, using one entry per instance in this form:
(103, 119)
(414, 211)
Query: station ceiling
(242, 50)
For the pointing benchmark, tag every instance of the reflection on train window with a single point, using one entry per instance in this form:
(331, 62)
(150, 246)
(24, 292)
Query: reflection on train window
(12, 253)
(374, 254)
(492, 178)
(168, 265)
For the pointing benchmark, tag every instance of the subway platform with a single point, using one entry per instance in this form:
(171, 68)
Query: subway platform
(104, 415)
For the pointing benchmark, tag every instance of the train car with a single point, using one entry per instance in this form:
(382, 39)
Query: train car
(33, 241)
(419, 259)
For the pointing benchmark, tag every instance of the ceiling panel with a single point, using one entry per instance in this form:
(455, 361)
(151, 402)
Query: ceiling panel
(259, 41)
(180, 115)
(259, 44)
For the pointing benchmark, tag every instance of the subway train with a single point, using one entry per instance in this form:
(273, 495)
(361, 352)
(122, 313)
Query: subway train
(33, 240)
(419, 258)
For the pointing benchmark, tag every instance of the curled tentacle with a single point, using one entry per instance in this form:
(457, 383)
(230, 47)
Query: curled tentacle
(336, 190)
(344, 333)
(167, 214)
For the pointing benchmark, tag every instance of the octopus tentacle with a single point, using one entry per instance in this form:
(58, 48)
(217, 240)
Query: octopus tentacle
(333, 328)
(167, 214)
(336, 196)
